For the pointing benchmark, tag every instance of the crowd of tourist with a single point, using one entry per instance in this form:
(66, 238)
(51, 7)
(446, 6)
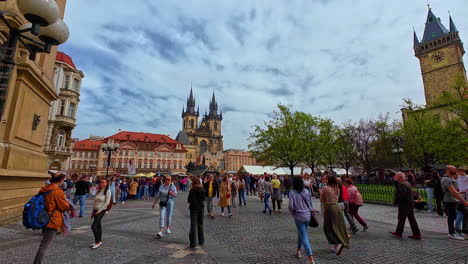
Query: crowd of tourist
(339, 199)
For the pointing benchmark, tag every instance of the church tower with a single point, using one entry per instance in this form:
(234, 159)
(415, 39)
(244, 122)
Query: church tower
(440, 54)
(190, 116)
(214, 122)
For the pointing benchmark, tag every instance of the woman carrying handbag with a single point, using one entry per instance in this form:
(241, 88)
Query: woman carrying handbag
(300, 207)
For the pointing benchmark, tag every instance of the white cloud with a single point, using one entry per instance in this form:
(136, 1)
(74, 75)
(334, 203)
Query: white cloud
(339, 59)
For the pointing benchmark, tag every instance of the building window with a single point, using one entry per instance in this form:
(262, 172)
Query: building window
(119, 165)
(151, 164)
(73, 165)
(75, 85)
(125, 165)
(67, 81)
(79, 153)
(60, 138)
(159, 165)
(175, 165)
(140, 153)
(71, 110)
(62, 107)
(180, 165)
(215, 126)
(139, 164)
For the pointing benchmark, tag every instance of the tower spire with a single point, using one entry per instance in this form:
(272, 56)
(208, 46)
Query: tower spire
(434, 28)
(453, 28)
(415, 39)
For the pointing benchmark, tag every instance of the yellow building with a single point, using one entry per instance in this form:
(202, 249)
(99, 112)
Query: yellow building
(62, 113)
(234, 159)
(201, 136)
(23, 123)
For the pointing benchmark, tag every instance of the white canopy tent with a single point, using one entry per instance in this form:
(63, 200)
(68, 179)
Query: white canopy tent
(338, 171)
(259, 170)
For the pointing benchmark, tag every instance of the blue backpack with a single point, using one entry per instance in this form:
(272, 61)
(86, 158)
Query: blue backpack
(35, 215)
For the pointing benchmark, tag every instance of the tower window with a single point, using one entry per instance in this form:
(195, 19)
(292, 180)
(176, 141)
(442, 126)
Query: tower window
(191, 123)
(431, 19)
(434, 34)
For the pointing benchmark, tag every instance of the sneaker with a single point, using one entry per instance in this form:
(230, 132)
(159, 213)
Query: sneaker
(96, 246)
(415, 237)
(168, 231)
(355, 230)
(395, 234)
(456, 237)
(298, 254)
(160, 234)
(93, 244)
(365, 228)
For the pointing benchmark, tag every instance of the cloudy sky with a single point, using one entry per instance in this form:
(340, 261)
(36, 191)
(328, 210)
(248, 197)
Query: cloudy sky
(344, 60)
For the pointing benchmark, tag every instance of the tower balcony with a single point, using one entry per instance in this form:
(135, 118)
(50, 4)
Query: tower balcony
(59, 151)
(65, 121)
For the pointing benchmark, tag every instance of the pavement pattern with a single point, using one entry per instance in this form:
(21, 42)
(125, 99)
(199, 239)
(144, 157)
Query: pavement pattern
(248, 237)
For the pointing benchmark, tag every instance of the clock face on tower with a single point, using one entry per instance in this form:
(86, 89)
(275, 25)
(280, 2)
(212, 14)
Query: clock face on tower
(438, 56)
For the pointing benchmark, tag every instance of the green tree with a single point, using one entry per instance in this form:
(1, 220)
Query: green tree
(280, 142)
(345, 148)
(327, 138)
(311, 142)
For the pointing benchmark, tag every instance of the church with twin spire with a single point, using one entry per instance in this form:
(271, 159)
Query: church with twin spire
(200, 136)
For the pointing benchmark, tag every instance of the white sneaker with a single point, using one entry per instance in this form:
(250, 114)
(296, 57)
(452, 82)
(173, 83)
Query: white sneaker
(168, 231)
(92, 245)
(456, 237)
(160, 234)
(96, 245)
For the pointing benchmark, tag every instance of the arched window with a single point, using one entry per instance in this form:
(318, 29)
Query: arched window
(215, 125)
(61, 138)
(191, 123)
(203, 146)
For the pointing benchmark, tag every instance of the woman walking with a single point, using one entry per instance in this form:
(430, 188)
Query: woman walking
(225, 196)
(276, 197)
(355, 201)
(196, 199)
(267, 189)
(333, 223)
(242, 190)
(112, 187)
(166, 194)
(101, 201)
(300, 206)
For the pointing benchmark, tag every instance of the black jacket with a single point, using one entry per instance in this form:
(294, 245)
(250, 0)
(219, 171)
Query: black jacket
(215, 188)
(404, 195)
(82, 187)
(196, 198)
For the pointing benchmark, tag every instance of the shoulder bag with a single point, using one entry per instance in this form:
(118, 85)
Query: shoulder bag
(313, 220)
(164, 203)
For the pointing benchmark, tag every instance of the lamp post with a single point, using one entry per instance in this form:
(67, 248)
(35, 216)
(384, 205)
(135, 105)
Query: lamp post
(92, 167)
(109, 148)
(44, 31)
(398, 150)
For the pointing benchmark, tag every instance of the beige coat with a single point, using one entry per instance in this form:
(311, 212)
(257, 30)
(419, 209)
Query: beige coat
(224, 189)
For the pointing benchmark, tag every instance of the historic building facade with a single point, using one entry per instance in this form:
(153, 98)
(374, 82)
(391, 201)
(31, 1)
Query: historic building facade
(23, 119)
(145, 151)
(440, 54)
(200, 136)
(62, 113)
(234, 159)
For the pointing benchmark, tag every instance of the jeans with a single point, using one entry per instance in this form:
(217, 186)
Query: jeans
(196, 228)
(430, 198)
(459, 220)
(209, 205)
(265, 200)
(242, 197)
(354, 212)
(48, 235)
(247, 188)
(302, 238)
(166, 214)
(97, 227)
(146, 191)
(286, 192)
(123, 196)
(82, 199)
(113, 194)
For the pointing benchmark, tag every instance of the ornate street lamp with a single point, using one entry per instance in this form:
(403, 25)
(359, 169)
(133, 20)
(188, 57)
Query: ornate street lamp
(92, 167)
(109, 148)
(44, 31)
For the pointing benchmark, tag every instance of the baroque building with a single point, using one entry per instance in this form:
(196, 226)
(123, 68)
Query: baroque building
(147, 152)
(62, 113)
(440, 54)
(234, 159)
(200, 136)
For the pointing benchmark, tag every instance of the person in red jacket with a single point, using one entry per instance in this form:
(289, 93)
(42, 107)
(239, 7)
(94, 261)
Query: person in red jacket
(345, 197)
(55, 205)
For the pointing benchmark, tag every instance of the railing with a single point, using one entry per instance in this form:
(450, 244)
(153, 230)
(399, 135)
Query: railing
(384, 194)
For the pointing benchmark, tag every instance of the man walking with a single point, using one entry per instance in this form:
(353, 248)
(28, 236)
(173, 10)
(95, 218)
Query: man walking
(404, 200)
(453, 201)
(212, 191)
(81, 191)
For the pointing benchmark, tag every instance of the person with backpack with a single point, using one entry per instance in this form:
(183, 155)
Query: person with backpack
(196, 199)
(101, 203)
(55, 203)
(82, 189)
(453, 201)
(242, 189)
(166, 195)
(355, 201)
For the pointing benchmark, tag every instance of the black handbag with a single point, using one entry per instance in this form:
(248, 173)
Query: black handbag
(164, 203)
(313, 220)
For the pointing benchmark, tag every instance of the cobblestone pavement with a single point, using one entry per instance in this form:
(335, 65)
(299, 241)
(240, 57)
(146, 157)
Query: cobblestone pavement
(248, 237)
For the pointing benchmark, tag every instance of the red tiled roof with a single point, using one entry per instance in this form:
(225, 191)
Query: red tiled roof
(140, 136)
(65, 58)
(88, 144)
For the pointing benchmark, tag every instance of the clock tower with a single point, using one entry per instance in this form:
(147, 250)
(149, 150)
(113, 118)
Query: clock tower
(440, 54)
